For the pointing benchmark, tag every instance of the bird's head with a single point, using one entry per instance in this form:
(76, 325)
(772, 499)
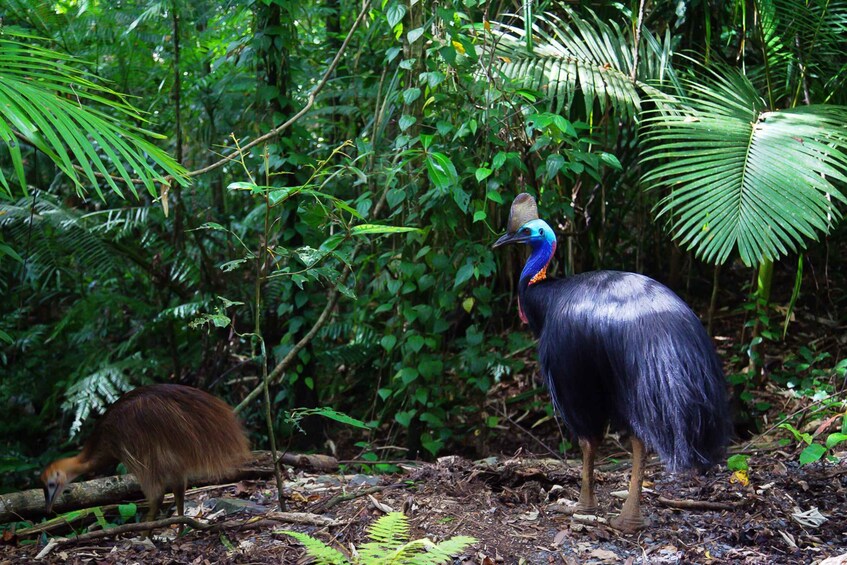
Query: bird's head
(524, 225)
(533, 232)
(55, 478)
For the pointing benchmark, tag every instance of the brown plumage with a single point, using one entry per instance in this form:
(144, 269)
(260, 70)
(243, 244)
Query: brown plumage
(165, 435)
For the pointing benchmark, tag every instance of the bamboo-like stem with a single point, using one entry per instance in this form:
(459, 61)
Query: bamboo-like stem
(713, 301)
(261, 268)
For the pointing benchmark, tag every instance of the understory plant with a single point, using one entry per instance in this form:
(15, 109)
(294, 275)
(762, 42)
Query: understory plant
(389, 543)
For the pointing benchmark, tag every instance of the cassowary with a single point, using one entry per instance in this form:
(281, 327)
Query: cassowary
(164, 434)
(622, 351)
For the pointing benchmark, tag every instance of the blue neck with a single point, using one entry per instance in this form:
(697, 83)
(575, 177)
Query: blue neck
(542, 252)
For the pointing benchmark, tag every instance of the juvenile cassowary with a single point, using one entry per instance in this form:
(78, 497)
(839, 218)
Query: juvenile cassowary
(166, 435)
(622, 351)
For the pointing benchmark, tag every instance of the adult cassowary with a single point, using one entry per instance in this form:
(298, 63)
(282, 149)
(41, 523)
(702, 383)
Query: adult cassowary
(621, 351)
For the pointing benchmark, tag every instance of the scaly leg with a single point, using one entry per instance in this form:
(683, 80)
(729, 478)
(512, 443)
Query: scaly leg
(179, 498)
(630, 519)
(587, 502)
(155, 504)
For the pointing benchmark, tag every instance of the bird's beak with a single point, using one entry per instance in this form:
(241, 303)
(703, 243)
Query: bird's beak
(508, 238)
(51, 494)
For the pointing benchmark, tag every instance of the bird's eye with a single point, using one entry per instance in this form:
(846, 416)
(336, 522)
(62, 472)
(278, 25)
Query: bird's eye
(526, 230)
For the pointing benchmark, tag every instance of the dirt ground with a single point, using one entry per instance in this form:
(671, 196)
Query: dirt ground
(517, 510)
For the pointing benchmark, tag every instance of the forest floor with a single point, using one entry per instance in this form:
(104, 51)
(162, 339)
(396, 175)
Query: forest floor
(515, 508)
(516, 505)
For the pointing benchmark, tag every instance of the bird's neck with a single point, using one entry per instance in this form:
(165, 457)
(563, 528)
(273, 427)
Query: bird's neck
(536, 266)
(535, 270)
(75, 466)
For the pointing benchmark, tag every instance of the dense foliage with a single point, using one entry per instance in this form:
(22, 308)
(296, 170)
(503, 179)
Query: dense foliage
(717, 125)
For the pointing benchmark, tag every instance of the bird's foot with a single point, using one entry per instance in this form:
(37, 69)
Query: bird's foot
(628, 523)
(582, 508)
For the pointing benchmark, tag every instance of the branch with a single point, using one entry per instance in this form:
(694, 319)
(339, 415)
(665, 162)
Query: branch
(288, 517)
(687, 504)
(309, 102)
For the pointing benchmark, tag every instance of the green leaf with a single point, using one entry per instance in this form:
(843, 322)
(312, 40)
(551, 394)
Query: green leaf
(374, 229)
(395, 196)
(611, 161)
(482, 173)
(242, 185)
(834, 439)
(388, 342)
(404, 418)
(812, 453)
(406, 122)
(414, 34)
(461, 198)
(8, 251)
(316, 549)
(408, 375)
(338, 417)
(737, 462)
(127, 511)
(395, 13)
(84, 128)
(553, 165)
(441, 171)
(464, 273)
(415, 343)
(479, 215)
(232, 265)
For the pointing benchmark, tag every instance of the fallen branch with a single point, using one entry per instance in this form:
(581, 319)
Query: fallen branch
(29, 504)
(303, 518)
(687, 504)
(320, 508)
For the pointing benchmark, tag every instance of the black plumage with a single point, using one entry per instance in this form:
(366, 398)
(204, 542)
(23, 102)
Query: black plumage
(622, 351)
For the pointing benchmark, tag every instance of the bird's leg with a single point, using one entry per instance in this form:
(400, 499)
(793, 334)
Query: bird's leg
(155, 503)
(179, 498)
(587, 502)
(630, 519)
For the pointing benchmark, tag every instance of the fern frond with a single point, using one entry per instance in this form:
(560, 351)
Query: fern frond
(444, 551)
(317, 550)
(97, 390)
(390, 530)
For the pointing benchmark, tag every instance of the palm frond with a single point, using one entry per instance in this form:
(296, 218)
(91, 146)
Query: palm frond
(46, 100)
(741, 177)
(589, 58)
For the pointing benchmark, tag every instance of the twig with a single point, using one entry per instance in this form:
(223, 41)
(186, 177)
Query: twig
(527, 432)
(688, 504)
(303, 518)
(292, 355)
(339, 498)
